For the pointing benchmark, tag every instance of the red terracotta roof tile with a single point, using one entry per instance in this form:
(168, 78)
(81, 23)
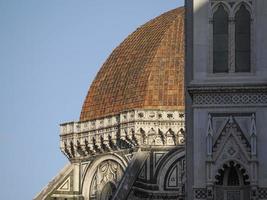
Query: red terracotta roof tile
(144, 71)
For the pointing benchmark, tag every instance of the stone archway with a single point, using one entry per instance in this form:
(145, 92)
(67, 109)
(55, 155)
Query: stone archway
(232, 183)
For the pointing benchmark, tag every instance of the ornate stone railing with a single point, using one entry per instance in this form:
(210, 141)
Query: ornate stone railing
(130, 129)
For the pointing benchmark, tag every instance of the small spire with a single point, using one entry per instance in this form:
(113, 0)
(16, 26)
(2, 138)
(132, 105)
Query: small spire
(253, 131)
(209, 137)
(210, 130)
(231, 120)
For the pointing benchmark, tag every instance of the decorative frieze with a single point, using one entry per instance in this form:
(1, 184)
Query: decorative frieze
(229, 98)
(200, 193)
(123, 131)
(262, 193)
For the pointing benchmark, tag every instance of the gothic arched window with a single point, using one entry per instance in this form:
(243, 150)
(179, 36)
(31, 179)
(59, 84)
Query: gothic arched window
(220, 40)
(242, 40)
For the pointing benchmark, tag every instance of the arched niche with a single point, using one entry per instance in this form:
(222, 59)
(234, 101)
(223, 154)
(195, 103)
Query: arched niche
(169, 173)
(232, 182)
(103, 175)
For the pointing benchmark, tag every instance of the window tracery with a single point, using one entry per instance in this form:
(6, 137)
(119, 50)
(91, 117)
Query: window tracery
(231, 28)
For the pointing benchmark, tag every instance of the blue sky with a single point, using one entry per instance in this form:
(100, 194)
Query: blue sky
(50, 52)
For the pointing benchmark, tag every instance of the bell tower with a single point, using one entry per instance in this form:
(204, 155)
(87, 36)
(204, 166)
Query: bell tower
(226, 99)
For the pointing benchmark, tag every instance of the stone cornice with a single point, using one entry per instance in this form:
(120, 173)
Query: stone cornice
(193, 89)
(127, 130)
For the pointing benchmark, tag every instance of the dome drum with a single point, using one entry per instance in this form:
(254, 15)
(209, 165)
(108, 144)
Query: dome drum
(137, 97)
(128, 130)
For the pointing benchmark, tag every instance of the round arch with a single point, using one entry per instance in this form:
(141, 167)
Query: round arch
(232, 181)
(92, 168)
(238, 168)
(237, 162)
(166, 165)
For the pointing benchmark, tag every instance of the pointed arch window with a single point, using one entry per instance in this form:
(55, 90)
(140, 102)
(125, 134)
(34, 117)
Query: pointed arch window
(220, 40)
(231, 45)
(242, 40)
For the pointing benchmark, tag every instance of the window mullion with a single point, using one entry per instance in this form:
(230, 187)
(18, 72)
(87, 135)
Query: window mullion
(231, 59)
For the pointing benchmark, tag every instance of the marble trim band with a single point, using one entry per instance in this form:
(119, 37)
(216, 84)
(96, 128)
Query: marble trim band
(200, 193)
(229, 98)
(127, 130)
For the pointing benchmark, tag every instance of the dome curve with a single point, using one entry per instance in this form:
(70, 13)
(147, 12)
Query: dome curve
(146, 71)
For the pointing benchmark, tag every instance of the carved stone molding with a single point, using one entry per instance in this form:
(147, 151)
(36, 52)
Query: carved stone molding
(127, 130)
(262, 193)
(105, 179)
(229, 98)
(234, 139)
(231, 7)
(200, 193)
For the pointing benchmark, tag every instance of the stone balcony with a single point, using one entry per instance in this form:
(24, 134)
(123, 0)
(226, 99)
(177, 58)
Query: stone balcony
(127, 130)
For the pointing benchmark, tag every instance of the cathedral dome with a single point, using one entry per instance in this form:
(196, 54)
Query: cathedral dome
(146, 71)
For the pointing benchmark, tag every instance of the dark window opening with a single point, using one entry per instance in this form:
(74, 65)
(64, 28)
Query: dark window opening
(233, 179)
(242, 40)
(220, 40)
